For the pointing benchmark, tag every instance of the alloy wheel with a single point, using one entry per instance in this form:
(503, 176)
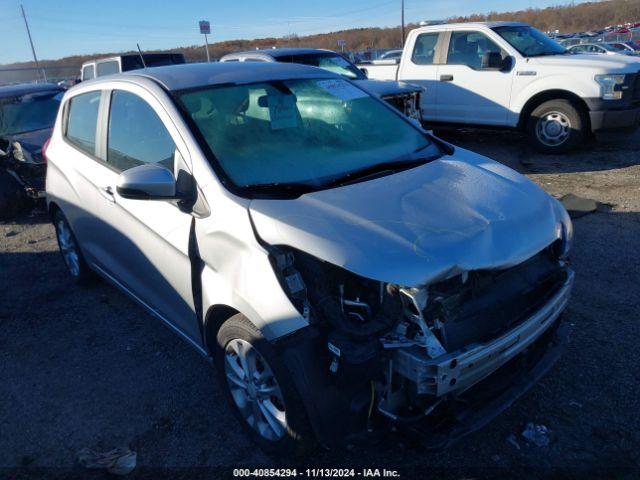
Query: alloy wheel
(255, 390)
(68, 247)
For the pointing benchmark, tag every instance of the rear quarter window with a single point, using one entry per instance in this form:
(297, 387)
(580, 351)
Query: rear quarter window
(82, 119)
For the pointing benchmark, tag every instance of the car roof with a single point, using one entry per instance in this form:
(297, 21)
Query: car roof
(26, 88)
(440, 26)
(279, 52)
(194, 75)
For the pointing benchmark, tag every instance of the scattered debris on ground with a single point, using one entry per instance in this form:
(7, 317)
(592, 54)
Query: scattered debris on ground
(119, 461)
(536, 434)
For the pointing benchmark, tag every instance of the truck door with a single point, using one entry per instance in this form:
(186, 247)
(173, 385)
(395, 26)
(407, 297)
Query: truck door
(468, 90)
(420, 67)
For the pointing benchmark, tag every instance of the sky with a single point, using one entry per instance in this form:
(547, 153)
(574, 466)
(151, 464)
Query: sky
(66, 27)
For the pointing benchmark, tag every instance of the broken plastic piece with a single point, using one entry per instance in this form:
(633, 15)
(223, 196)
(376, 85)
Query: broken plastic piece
(578, 206)
(119, 461)
(537, 434)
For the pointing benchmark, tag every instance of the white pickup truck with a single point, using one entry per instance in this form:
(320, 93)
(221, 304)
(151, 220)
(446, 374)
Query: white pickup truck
(511, 75)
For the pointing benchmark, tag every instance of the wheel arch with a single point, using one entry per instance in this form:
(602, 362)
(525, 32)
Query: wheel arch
(215, 316)
(52, 208)
(556, 94)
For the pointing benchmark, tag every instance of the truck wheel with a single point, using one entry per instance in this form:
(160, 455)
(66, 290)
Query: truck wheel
(260, 390)
(71, 253)
(556, 126)
(12, 197)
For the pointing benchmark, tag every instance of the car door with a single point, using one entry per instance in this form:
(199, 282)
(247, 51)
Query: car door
(421, 68)
(468, 92)
(147, 243)
(83, 170)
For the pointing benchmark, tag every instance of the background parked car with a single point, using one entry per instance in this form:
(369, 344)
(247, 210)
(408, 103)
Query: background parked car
(599, 49)
(27, 115)
(400, 95)
(125, 63)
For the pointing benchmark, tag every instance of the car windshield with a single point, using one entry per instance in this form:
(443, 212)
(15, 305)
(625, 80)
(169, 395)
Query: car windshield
(306, 133)
(29, 112)
(529, 41)
(327, 61)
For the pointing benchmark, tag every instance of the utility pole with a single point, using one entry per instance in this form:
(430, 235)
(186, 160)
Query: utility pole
(33, 50)
(402, 22)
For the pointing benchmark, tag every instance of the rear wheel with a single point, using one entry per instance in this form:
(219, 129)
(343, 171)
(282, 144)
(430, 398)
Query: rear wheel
(556, 126)
(71, 253)
(260, 389)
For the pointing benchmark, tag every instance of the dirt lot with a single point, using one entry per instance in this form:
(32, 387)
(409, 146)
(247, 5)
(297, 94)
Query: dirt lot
(88, 368)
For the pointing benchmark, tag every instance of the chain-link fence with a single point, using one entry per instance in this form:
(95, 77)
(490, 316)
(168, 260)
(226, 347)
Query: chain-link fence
(14, 75)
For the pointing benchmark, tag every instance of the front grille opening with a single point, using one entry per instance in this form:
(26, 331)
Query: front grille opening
(491, 302)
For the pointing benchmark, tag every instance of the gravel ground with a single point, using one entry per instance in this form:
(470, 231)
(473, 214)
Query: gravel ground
(85, 367)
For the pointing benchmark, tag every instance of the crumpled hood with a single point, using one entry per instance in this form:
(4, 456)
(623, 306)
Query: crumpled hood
(612, 63)
(461, 212)
(32, 142)
(383, 88)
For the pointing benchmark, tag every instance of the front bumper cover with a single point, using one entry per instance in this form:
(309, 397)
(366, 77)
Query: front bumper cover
(607, 120)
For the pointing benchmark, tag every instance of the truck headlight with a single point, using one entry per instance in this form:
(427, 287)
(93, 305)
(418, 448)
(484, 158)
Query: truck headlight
(610, 86)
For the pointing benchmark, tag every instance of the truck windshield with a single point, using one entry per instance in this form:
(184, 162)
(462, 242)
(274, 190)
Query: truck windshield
(327, 61)
(302, 135)
(28, 112)
(529, 41)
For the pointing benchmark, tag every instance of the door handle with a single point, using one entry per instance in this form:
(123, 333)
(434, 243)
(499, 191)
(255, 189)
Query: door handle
(107, 192)
(446, 78)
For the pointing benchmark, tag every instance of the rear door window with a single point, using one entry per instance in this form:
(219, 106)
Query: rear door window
(136, 134)
(425, 49)
(82, 120)
(107, 68)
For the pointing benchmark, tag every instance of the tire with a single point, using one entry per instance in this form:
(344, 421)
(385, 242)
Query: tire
(556, 126)
(287, 430)
(12, 198)
(70, 251)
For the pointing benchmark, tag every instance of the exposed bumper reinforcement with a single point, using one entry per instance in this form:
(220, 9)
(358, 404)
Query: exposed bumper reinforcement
(457, 371)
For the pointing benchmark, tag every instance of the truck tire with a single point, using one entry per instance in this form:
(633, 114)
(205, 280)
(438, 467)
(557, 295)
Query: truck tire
(12, 197)
(556, 126)
(260, 389)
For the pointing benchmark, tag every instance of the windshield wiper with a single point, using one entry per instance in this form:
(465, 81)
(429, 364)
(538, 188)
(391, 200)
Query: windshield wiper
(375, 171)
(294, 189)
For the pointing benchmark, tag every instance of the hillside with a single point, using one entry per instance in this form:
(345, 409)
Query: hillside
(578, 17)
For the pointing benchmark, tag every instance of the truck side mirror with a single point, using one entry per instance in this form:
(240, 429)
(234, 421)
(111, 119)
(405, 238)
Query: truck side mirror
(364, 70)
(492, 61)
(507, 63)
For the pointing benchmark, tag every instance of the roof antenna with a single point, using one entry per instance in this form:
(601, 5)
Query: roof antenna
(144, 65)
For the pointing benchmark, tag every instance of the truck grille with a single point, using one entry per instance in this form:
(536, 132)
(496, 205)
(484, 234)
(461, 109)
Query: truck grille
(491, 302)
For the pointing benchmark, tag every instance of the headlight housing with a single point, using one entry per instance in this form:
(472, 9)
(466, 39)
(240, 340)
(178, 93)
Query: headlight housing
(610, 86)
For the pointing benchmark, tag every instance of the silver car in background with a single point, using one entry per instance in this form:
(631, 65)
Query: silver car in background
(344, 269)
(403, 96)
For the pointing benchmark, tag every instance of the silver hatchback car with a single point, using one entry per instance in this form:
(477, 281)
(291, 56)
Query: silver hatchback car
(344, 269)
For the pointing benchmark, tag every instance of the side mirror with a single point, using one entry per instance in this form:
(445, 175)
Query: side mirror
(366, 73)
(147, 182)
(492, 61)
(507, 63)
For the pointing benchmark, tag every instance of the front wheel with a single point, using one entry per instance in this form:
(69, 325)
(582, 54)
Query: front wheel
(556, 126)
(260, 389)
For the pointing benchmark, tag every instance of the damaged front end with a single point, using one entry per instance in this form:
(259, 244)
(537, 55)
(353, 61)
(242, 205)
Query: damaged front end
(26, 166)
(440, 359)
